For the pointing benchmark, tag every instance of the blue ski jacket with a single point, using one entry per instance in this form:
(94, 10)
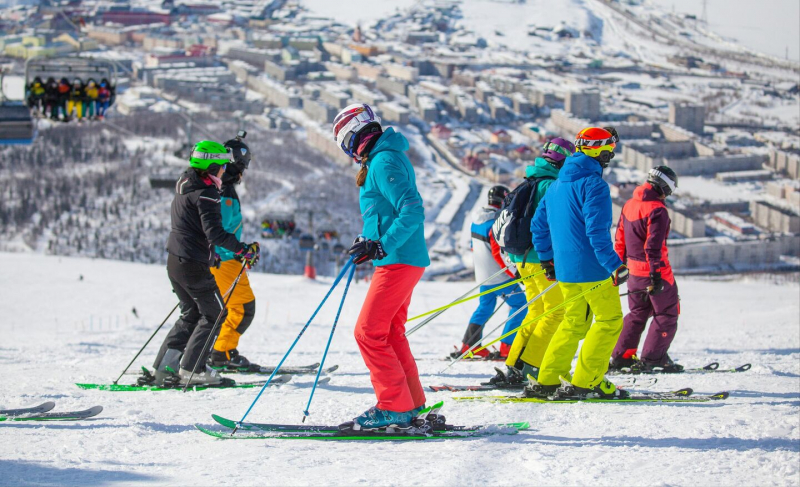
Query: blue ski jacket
(390, 204)
(572, 225)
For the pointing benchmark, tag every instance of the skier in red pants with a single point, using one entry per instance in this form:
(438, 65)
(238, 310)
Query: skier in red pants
(642, 241)
(393, 238)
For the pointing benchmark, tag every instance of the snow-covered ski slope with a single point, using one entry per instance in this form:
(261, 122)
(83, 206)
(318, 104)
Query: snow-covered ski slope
(58, 330)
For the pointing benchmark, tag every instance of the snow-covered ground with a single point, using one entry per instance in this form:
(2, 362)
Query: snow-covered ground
(58, 329)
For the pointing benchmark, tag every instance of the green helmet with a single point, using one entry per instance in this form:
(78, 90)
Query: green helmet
(208, 152)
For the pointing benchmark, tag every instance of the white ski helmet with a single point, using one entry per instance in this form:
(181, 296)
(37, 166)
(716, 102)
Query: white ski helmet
(350, 122)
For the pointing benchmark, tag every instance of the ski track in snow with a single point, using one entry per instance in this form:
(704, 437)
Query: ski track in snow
(58, 330)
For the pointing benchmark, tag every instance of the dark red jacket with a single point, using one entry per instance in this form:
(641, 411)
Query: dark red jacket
(642, 234)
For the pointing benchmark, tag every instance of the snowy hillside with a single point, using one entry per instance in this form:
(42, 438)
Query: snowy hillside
(58, 330)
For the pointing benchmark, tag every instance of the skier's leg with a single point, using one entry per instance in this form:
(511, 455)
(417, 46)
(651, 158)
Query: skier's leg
(399, 343)
(666, 308)
(241, 305)
(534, 309)
(602, 335)
(546, 327)
(201, 286)
(636, 320)
(557, 360)
(486, 304)
(515, 302)
(390, 287)
(179, 335)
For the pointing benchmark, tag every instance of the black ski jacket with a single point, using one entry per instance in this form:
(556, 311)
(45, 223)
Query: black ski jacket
(197, 221)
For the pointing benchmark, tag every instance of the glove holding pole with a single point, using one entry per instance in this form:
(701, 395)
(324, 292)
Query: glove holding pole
(364, 250)
(249, 255)
(549, 270)
(620, 276)
(656, 284)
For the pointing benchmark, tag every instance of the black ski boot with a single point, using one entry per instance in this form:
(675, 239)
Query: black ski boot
(512, 377)
(664, 366)
(621, 364)
(230, 360)
(540, 391)
(604, 390)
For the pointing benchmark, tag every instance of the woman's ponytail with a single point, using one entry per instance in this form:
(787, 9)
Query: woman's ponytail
(361, 176)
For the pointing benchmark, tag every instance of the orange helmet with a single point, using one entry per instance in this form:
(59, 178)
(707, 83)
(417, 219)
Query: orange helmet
(592, 141)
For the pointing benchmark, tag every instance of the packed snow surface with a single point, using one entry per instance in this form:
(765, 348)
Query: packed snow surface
(58, 329)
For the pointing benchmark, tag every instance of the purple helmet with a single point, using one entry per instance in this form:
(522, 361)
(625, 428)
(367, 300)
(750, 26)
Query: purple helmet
(557, 150)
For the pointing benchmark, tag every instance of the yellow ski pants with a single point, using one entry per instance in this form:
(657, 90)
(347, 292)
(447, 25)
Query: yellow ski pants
(532, 341)
(241, 306)
(599, 338)
(76, 105)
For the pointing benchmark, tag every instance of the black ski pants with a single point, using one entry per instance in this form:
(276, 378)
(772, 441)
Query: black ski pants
(200, 303)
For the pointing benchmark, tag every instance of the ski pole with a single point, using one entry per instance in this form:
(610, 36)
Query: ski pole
(475, 335)
(297, 339)
(633, 292)
(471, 351)
(153, 335)
(212, 335)
(146, 343)
(328, 345)
(597, 286)
(439, 311)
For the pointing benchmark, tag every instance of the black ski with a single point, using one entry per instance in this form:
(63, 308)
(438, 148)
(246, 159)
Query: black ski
(41, 408)
(713, 367)
(58, 416)
(267, 370)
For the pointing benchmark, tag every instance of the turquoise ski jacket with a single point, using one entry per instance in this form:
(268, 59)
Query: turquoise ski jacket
(390, 204)
(231, 218)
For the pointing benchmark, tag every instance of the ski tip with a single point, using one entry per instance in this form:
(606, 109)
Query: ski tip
(684, 392)
(333, 368)
(743, 368)
(438, 405)
(712, 366)
(94, 411)
(721, 395)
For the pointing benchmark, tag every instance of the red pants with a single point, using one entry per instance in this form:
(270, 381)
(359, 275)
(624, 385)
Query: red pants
(380, 334)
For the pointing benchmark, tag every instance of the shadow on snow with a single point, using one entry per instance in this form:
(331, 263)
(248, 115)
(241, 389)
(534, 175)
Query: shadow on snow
(30, 473)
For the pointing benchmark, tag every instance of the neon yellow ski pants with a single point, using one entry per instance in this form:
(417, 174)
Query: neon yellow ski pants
(531, 341)
(598, 338)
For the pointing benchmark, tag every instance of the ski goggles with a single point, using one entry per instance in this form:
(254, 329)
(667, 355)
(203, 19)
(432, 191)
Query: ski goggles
(227, 157)
(550, 146)
(610, 141)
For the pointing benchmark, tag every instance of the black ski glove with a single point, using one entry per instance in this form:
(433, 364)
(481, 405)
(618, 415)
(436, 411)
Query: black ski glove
(364, 250)
(656, 284)
(620, 276)
(549, 269)
(217, 260)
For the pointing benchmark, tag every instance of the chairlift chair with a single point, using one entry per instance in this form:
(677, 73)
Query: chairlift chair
(306, 242)
(16, 123)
